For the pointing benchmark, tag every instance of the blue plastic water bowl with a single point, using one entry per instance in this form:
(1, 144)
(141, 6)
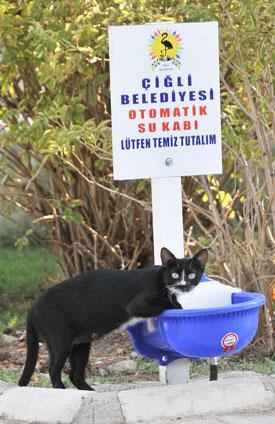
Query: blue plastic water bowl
(199, 333)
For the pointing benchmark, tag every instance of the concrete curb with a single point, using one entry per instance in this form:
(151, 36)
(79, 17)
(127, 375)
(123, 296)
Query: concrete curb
(222, 402)
(198, 398)
(39, 405)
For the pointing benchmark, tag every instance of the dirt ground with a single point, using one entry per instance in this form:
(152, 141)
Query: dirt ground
(105, 352)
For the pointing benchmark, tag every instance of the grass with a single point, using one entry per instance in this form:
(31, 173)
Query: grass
(38, 380)
(22, 276)
(144, 366)
(24, 272)
(266, 366)
(201, 368)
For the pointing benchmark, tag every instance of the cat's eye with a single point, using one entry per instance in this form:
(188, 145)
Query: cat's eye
(191, 276)
(175, 275)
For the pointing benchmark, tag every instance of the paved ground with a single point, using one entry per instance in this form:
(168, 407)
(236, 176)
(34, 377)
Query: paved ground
(240, 398)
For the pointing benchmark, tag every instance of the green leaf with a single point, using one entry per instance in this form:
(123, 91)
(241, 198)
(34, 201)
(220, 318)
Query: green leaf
(26, 160)
(78, 119)
(4, 179)
(77, 217)
(76, 202)
(22, 242)
(68, 215)
(100, 79)
(141, 186)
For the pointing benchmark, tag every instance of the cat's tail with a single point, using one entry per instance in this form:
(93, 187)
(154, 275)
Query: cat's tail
(32, 353)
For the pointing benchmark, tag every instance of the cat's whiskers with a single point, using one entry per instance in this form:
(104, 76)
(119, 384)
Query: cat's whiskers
(170, 295)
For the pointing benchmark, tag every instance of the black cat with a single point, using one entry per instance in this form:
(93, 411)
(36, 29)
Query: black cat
(70, 314)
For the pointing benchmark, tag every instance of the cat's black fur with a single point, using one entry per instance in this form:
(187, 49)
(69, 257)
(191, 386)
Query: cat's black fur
(70, 314)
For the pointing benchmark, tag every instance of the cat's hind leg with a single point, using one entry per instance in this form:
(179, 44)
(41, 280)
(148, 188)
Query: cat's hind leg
(79, 357)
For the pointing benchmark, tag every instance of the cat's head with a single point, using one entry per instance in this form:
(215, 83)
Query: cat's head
(183, 274)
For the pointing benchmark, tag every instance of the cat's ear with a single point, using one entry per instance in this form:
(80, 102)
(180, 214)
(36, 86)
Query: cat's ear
(201, 257)
(167, 257)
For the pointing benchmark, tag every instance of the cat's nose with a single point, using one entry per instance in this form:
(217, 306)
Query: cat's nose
(181, 284)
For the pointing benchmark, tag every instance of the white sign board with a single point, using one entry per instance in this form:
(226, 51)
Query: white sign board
(165, 100)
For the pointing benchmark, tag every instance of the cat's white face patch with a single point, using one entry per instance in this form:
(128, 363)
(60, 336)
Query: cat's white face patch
(177, 288)
(182, 282)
